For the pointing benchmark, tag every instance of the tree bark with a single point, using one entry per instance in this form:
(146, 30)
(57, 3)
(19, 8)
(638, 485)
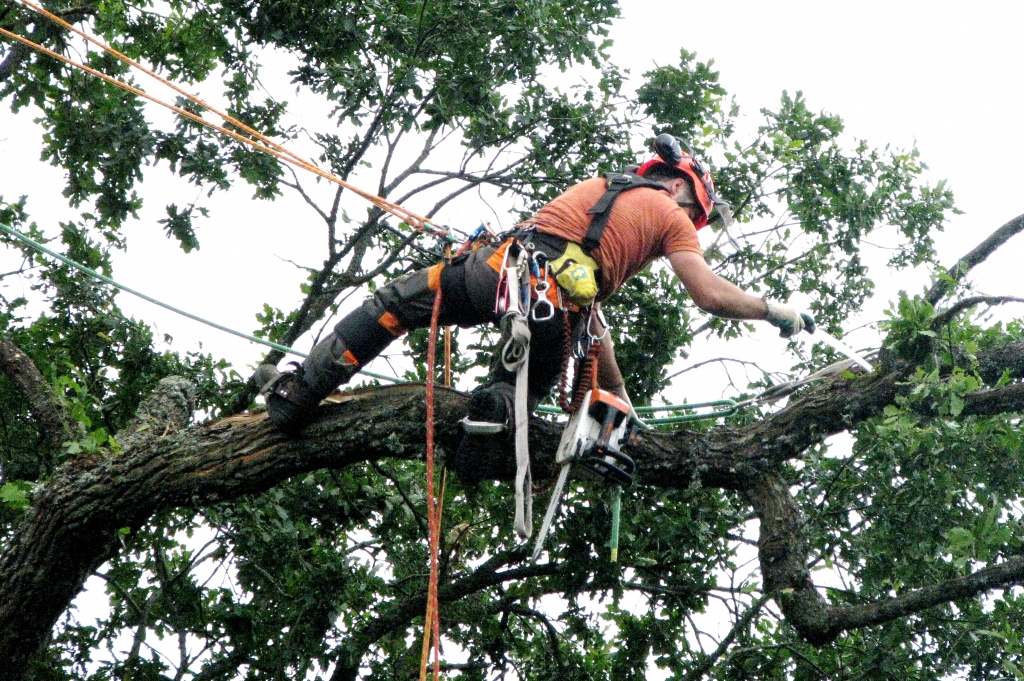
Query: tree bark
(977, 256)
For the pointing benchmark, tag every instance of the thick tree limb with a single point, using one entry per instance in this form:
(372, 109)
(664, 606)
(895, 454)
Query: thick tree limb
(68, 534)
(986, 248)
(72, 527)
(996, 401)
(55, 425)
(993, 362)
(1011, 571)
(782, 549)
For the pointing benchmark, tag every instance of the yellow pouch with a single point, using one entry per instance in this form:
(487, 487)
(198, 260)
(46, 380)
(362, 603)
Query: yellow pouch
(576, 273)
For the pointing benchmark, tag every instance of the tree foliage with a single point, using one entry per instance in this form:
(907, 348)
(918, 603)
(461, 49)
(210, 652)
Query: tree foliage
(868, 528)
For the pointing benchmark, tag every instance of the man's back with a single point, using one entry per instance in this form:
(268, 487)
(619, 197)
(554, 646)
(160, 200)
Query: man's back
(644, 224)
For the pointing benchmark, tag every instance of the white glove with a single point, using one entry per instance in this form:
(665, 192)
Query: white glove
(789, 320)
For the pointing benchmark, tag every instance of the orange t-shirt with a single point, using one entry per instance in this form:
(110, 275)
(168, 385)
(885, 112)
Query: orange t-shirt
(644, 224)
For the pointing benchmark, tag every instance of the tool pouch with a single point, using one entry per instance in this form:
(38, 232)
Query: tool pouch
(576, 274)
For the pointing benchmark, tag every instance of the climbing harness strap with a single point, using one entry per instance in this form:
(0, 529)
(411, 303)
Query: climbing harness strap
(513, 304)
(616, 183)
(523, 295)
(520, 334)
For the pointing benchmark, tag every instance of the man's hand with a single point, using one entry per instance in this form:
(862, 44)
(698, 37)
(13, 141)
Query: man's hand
(789, 321)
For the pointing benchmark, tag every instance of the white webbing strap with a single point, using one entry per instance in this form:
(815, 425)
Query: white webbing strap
(515, 356)
(513, 302)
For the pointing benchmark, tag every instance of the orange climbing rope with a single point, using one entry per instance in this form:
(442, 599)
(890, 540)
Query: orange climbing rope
(431, 623)
(263, 144)
(431, 638)
(585, 375)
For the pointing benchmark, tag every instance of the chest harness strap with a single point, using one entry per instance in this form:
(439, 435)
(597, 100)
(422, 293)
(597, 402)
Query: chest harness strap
(615, 184)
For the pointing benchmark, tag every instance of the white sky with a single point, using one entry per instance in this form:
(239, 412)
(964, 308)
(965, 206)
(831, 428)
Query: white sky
(943, 74)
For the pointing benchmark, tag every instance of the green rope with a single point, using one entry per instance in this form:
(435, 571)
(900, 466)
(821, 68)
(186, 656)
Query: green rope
(613, 541)
(728, 408)
(7, 229)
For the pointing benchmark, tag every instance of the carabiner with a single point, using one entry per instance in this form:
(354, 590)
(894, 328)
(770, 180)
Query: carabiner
(542, 302)
(502, 299)
(595, 313)
(582, 347)
(540, 291)
(509, 277)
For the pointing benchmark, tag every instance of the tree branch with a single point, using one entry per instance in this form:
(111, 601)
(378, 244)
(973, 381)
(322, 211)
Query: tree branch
(44, 29)
(1008, 358)
(70, 534)
(708, 661)
(946, 316)
(957, 272)
(72, 526)
(405, 497)
(55, 424)
(398, 615)
(19, 52)
(1009, 399)
(1009, 572)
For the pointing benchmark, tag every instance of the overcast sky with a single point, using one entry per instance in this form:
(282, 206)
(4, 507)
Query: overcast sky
(943, 75)
(946, 75)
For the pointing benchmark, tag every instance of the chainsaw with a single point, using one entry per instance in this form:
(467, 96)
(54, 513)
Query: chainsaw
(593, 438)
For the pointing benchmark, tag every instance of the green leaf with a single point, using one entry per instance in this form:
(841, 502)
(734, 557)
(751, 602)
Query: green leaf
(15, 494)
(956, 405)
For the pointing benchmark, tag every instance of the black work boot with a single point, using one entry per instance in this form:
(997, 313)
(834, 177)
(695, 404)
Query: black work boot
(489, 430)
(290, 402)
(292, 396)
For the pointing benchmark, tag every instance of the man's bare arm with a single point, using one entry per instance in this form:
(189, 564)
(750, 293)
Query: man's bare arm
(712, 293)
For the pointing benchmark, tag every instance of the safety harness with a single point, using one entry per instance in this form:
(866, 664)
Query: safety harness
(516, 304)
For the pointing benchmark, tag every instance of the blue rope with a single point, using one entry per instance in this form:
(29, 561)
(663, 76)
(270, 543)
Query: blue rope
(7, 229)
(723, 407)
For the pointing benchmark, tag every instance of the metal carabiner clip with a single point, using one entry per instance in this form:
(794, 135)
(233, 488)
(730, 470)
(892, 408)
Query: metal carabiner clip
(510, 293)
(595, 313)
(582, 347)
(546, 305)
(540, 290)
(503, 299)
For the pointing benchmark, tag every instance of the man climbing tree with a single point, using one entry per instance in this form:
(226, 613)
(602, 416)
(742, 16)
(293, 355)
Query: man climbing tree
(589, 228)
